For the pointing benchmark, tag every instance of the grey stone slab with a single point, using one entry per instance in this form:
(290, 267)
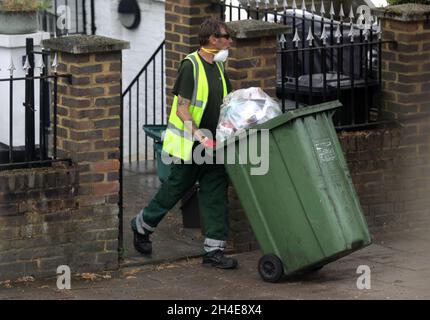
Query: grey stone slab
(79, 44)
(404, 12)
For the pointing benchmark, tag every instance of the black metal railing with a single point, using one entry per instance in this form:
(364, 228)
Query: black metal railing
(79, 18)
(27, 153)
(325, 57)
(143, 103)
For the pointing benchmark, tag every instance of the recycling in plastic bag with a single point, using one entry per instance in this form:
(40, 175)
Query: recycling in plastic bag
(244, 108)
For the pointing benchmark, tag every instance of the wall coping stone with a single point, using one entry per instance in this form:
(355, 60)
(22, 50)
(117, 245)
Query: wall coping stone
(84, 44)
(408, 12)
(248, 29)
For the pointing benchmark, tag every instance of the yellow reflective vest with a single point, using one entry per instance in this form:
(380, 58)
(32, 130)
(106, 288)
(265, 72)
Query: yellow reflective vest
(178, 141)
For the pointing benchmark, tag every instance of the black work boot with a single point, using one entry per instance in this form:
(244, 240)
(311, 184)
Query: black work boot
(218, 260)
(141, 242)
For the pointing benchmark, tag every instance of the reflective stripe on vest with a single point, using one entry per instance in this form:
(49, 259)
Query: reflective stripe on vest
(178, 141)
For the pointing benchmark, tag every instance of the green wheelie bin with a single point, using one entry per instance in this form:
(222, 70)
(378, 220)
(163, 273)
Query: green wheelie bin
(304, 211)
(155, 131)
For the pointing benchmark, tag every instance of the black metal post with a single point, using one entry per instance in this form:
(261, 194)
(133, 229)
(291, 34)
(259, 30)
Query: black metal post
(231, 10)
(44, 105)
(137, 119)
(296, 78)
(341, 49)
(283, 56)
(129, 126)
(93, 18)
(361, 53)
(146, 112)
(55, 113)
(380, 63)
(338, 80)
(303, 42)
(67, 17)
(351, 66)
(11, 118)
(77, 16)
(331, 45)
(121, 188)
(162, 84)
(285, 18)
(84, 15)
(275, 13)
(29, 104)
(55, 20)
(311, 71)
(153, 92)
(324, 72)
(366, 82)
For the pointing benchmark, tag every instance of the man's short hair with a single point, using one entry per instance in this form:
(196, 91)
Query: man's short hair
(210, 27)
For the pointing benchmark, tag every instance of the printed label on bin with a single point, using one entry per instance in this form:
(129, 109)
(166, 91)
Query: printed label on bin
(325, 150)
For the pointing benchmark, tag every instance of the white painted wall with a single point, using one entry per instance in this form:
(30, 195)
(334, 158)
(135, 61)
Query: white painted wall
(143, 42)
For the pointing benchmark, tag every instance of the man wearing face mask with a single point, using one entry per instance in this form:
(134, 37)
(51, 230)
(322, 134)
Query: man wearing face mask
(198, 92)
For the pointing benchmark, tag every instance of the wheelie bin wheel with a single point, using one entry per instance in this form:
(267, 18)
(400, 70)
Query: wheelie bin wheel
(270, 268)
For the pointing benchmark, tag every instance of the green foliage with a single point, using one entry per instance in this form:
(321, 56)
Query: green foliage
(24, 5)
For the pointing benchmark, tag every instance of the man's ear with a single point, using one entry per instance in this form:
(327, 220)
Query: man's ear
(212, 39)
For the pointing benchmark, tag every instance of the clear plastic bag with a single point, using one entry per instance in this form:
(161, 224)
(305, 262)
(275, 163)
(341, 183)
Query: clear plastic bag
(244, 108)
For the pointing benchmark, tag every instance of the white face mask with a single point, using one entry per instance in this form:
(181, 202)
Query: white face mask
(221, 56)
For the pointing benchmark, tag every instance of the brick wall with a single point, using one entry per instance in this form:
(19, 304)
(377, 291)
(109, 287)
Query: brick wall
(183, 19)
(36, 219)
(391, 173)
(391, 168)
(69, 216)
(406, 63)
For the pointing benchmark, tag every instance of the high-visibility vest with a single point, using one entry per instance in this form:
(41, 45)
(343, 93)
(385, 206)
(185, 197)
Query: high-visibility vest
(178, 141)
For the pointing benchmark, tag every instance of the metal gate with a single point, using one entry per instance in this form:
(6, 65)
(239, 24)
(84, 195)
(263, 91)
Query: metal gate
(37, 68)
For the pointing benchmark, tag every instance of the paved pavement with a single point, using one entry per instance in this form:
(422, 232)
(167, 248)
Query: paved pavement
(399, 263)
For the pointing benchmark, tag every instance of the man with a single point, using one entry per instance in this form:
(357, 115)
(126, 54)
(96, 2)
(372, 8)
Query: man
(198, 94)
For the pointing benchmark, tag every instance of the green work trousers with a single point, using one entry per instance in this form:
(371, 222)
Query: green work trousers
(213, 200)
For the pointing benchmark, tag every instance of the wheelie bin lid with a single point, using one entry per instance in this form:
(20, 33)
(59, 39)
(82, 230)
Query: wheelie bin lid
(155, 131)
(287, 117)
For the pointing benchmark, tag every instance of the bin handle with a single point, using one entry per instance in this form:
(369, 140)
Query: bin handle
(293, 114)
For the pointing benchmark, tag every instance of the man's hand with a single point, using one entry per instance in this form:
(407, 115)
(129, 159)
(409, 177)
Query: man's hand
(208, 143)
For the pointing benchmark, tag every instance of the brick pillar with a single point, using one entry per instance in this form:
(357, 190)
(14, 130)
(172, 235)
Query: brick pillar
(89, 132)
(405, 65)
(252, 61)
(405, 98)
(183, 19)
